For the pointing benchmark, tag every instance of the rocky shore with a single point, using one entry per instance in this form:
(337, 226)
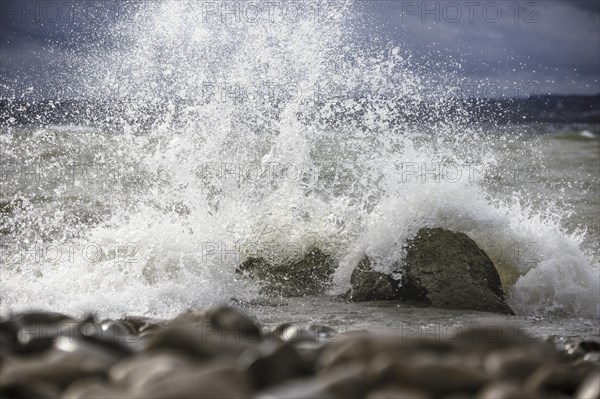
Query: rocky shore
(223, 353)
(442, 269)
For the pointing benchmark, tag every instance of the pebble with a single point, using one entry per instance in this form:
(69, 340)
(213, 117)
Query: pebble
(554, 379)
(137, 371)
(349, 383)
(198, 383)
(230, 321)
(272, 363)
(398, 392)
(68, 361)
(222, 353)
(590, 388)
(362, 348)
(198, 344)
(294, 333)
(505, 390)
(511, 364)
(448, 379)
(91, 389)
(304, 389)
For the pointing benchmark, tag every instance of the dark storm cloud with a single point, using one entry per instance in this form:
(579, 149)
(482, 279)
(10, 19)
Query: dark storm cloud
(554, 43)
(592, 6)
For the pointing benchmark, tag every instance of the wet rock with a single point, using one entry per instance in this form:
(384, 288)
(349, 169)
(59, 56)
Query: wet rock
(454, 272)
(297, 390)
(137, 372)
(496, 336)
(345, 383)
(442, 269)
(592, 357)
(191, 317)
(222, 353)
(505, 390)
(91, 389)
(583, 367)
(141, 323)
(277, 331)
(572, 351)
(36, 332)
(32, 318)
(322, 333)
(294, 333)
(515, 364)
(350, 382)
(309, 353)
(198, 383)
(310, 275)
(201, 344)
(115, 336)
(68, 361)
(230, 321)
(552, 379)
(395, 392)
(367, 284)
(448, 378)
(270, 364)
(120, 328)
(589, 346)
(37, 390)
(9, 343)
(580, 350)
(590, 388)
(361, 348)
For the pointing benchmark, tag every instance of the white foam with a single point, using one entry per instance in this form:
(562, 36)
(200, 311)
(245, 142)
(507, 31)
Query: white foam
(197, 216)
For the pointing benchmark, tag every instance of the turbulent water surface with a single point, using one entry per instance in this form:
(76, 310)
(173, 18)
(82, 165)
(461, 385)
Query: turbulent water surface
(267, 139)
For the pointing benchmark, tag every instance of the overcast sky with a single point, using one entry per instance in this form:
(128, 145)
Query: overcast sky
(536, 47)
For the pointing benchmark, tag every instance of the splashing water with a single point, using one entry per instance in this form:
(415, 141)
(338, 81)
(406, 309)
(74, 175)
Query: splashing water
(233, 138)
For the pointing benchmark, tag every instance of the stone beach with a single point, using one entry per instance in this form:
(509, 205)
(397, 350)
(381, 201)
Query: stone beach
(223, 353)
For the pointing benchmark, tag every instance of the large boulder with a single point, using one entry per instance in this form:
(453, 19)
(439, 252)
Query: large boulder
(443, 269)
(310, 275)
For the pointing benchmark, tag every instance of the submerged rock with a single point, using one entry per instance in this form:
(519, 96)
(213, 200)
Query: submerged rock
(442, 269)
(310, 275)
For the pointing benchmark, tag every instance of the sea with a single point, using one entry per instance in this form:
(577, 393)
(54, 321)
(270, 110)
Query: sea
(266, 139)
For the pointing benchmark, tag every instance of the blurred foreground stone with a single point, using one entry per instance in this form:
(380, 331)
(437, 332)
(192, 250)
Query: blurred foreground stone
(222, 353)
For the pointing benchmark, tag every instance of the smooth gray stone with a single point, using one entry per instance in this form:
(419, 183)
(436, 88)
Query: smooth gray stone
(211, 382)
(197, 342)
(512, 364)
(434, 377)
(395, 392)
(68, 361)
(590, 388)
(272, 363)
(554, 379)
(92, 389)
(137, 371)
(228, 320)
(505, 390)
(345, 383)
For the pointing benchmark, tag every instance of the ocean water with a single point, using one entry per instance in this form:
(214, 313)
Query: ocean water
(241, 140)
